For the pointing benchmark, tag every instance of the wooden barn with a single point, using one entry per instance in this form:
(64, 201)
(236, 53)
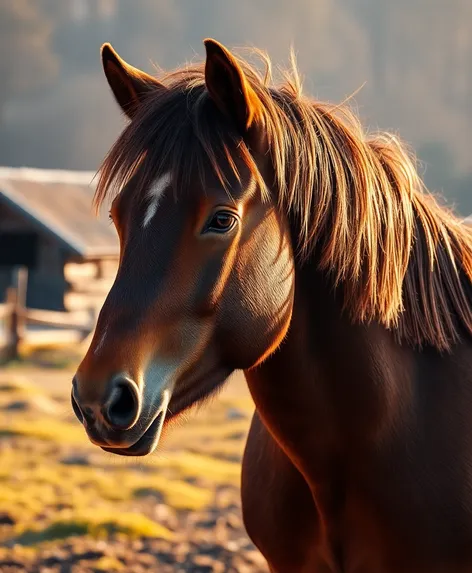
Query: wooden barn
(47, 226)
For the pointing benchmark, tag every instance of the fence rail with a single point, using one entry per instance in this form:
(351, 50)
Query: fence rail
(20, 325)
(4, 311)
(75, 320)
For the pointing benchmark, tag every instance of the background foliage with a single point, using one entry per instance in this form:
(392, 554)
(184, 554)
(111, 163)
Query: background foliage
(415, 57)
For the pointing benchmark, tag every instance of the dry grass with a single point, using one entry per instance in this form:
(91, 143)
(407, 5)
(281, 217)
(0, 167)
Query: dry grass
(55, 484)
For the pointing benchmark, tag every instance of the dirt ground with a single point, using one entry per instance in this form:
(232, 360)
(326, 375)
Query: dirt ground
(66, 506)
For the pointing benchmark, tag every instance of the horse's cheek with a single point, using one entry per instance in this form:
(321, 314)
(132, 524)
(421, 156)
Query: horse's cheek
(260, 296)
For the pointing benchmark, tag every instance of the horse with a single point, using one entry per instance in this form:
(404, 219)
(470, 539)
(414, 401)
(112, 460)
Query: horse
(266, 232)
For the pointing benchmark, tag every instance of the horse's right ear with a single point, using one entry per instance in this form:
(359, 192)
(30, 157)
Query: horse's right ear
(229, 88)
(129, 85)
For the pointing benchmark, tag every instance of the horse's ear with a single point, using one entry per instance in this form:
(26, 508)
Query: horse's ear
(128, 84)
(229, 87)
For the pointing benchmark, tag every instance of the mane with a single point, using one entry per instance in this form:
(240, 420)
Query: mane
(398, 256)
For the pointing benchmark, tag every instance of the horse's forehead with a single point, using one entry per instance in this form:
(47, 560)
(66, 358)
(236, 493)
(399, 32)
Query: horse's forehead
(237, 182)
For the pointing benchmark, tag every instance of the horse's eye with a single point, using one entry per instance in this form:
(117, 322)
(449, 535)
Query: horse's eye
(221, 222)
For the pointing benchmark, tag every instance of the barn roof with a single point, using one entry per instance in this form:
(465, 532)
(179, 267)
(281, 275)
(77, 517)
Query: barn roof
(60, 202)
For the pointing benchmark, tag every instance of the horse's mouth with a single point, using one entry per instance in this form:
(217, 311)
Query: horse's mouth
(147, 442)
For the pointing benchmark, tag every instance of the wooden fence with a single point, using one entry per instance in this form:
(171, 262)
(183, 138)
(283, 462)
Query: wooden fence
(33, 327)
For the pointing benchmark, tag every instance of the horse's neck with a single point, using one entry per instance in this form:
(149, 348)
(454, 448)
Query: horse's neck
(330, 381)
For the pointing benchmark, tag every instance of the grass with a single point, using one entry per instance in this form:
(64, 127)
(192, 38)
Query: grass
(50, 496)
(94, 523)
(51, 430)
(193, 465)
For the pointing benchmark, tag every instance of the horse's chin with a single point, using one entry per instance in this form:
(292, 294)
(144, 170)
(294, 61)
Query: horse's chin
(146, 444)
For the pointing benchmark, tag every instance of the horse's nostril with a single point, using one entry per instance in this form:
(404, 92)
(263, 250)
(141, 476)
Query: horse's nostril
(122, 408)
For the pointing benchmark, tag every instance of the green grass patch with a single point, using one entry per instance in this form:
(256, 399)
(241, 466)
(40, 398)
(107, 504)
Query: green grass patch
(95, 523)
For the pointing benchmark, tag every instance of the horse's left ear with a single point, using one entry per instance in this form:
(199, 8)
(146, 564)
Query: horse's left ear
(129, 85)
(229, 87)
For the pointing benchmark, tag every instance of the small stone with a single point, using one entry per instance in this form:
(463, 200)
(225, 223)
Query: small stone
(77, 460)
(166, 516)
(6, 518)
(213, 550)
(205, 564)
(89, 555)
(17, 406)
(232, 546)
(137, 545)
(101, 545)
(4, 563)
(149, 492)
(207, 523)
(52, 560)
(233, 521)
(165, 557)
(145, 559)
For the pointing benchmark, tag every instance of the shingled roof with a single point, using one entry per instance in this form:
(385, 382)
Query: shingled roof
(60, 202)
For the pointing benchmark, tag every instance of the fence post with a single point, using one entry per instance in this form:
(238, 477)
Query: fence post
(16, 322)
(11, 325)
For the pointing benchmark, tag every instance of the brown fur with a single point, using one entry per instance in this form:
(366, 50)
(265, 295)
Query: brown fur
(401, 259)
(341, 289)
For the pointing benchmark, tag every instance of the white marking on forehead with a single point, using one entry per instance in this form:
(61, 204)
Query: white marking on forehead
(155, 193)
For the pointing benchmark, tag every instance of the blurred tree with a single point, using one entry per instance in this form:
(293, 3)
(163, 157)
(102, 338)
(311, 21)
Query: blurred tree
(414, 55)
(79, 29)
(27, 61)
(148, 31)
